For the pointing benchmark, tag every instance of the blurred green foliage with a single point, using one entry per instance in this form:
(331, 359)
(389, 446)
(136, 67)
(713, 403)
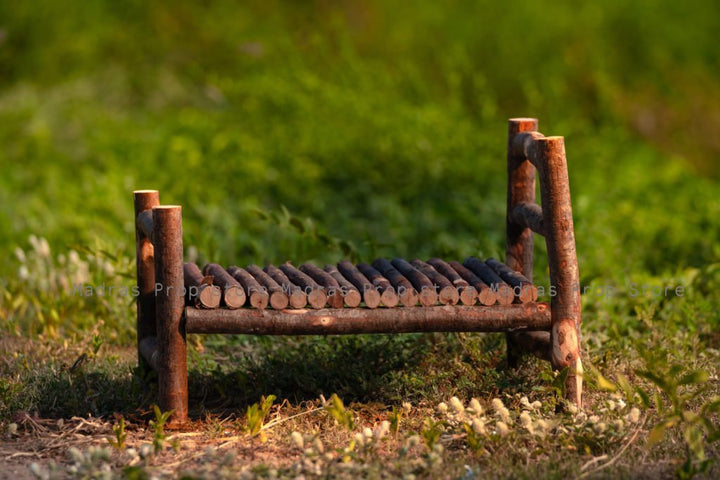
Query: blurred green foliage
(321, 130)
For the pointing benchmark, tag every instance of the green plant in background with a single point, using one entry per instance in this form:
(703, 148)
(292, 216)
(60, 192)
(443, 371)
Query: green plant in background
(256, 415)
(118, 442)
(345, 417)
(158, 426)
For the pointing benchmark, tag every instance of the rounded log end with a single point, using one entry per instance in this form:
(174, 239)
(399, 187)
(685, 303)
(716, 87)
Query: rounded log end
(525, 295)
(210, 296)
(505, 295)
(468, 295)
(298, 299)
(317, 298)
(335, 300)
(389, 298)
(234, 297)
(487, 296)
(371, 298)
(428, 297)
(409, 297)
(352, 298)
(259, 300)
(278, 301)
(449, 296)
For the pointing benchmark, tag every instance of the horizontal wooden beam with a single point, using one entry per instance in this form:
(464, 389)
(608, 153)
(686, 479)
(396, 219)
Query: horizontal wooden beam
(523, 146)
(529, 215)
(336, 321)
(149, 350)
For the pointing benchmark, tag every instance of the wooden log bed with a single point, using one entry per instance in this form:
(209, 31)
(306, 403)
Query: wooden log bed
(384, 296)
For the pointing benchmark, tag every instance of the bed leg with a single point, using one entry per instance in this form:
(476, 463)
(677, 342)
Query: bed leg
(519, 246)
(170, 305)
(144, 257)
(562, 258)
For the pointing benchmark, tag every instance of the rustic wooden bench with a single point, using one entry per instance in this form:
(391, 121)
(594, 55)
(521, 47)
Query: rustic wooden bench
(385, 297)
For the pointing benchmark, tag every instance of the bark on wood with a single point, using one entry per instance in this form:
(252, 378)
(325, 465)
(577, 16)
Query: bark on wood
(505, 295)
(336, 321)
(406, 292)
(486, 295)
(257, 295)
(296, 295)
(388, 297)
(324, 279)
(371, 297)
(278, 299)
(317, 298)
(448, 295)
(524, 290)
(351, 295)
(428, 295)
(468, 293)
(233, 293)
(199, 290)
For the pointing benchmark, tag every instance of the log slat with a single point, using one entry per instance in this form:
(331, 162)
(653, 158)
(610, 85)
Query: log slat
(331, 286)
(428, 295)
(505, 295)
(486, 295)
(351, 295)
(448, 294)
(199, 289)
(371, 297)
(278, 299)
(388, 297)
(468, 293)
(406, 292)
(523, 288)
(316, 296)
(233, 293)
(257, 295)
(529, 215)
(296, 296)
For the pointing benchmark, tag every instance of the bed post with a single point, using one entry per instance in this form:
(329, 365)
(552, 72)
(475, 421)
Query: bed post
(521, 188)
(169, 305)
(562, 260)
(144, 258)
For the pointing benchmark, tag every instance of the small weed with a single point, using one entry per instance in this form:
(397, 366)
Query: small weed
(337, 409)
(158, 426)
(256, 415)
(118, 443)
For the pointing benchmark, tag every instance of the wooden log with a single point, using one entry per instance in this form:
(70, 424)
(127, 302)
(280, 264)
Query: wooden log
(371, 297)
(296, 296)
(505, 295)
(448, 294)
(406, 292)
(317, 298)
(144, 200)
(331, 286)
(149, 351)
(277, 297)
(256, 294)
(388, 296)
(468, 293)
(523, 288)
(351, 295)
(199, 290)
(486, 295)
(428, 295)
(145, 223)
(233, 293)
(342, 321)
(529, 215)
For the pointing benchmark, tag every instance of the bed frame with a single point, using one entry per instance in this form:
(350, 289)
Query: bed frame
(551, 332)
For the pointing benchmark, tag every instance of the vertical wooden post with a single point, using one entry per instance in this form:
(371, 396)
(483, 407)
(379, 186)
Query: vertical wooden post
(519, 241)
(169, 307)
(562, 259)
(144, 258)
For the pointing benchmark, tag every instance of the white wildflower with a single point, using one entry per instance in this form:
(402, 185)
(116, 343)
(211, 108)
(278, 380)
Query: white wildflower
(594, 419)
(476, 407)
(611, 405)
(543, 425)
(572, 408)
(502, 428)
(618, 424)
(600, 427)
(297, 439)
(621, 403)
(319, 447)
(20, 254)
(457, 405)
(479, 426)
(359, 439)
(442, 407)
(382, 429)
(634, 415)
(526, 421)
(407, 406)
(367, 432)
(23, 272)
(501, 410)
(525, 402)
(536, 405)
(43, 248)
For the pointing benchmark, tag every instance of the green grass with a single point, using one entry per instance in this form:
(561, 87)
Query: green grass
(328, 130)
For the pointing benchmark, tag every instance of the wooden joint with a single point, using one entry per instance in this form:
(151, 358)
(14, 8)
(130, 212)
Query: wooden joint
(529, 215)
